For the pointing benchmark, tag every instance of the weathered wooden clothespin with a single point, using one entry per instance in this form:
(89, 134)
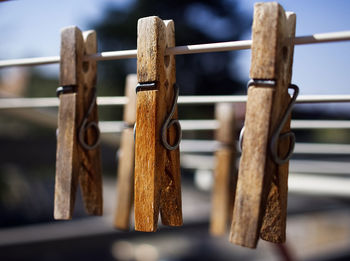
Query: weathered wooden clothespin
(261, 195)
(78, 153)
(225, 175)
(157, 163)
(126, 156)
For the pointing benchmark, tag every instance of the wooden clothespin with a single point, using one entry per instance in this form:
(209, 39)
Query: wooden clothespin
(261, 195)
(126, 155)
(78, 153)
(157, 163)
(225, 175)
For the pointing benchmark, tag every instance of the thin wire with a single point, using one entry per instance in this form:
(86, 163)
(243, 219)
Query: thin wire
(30, 61)
(169, 122)
(277, 135)
(180, 50)
(113, 55)
(22, 103)
(86, 124)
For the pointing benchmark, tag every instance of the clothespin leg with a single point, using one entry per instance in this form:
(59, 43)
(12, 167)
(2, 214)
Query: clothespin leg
(126, 154)
(223, 192)
(225, 176)
(90, 172)
(273, 227)
(170, 203)
(67, 155)
(67, 168)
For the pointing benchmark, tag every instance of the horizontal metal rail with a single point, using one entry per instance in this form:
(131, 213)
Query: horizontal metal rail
(320, 124)
(209, 146)
(186, 125)
(319, 185)
(314, 167)
(19, 103)
(201, 125)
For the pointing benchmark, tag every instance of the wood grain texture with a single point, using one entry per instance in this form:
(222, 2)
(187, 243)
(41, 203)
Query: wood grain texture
(170, 203)
(245, 223)
(86, 164)
(90, 172)
(150, 49)
(67, 158)
(125, 180)
(149, 159)
(265, 106)
(155, 168)
(274, 222)
(72, 48)
(129, 114)
(225, 115)
(147, 162)
(225, 176)
(265, 31)
(126, 159)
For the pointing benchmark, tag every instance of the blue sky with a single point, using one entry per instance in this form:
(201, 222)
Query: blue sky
(321, 68)
(31, 28)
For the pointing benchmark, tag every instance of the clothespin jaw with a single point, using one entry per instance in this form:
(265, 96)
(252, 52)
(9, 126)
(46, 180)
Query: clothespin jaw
(225, 176)
(90, 172)
(67, 164)
(77, 112)
(157, 169)
(260, 202)
(274, 221)
(126, 156)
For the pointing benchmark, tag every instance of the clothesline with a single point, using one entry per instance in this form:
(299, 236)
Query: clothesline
(179, 50)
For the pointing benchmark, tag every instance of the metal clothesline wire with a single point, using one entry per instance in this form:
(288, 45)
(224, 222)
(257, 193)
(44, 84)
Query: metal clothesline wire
(21, 103)
(179, 50)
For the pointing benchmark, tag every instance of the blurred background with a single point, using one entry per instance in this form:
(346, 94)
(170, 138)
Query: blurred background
(318, 226)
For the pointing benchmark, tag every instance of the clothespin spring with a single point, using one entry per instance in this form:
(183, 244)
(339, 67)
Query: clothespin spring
(85, 124)
(168, 121)
(277, 134)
